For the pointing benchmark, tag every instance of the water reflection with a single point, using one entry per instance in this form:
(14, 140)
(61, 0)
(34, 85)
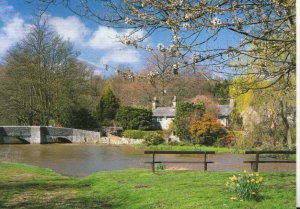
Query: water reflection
(82, 160)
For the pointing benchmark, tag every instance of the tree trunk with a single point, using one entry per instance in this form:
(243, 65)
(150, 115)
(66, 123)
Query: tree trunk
(288, 136)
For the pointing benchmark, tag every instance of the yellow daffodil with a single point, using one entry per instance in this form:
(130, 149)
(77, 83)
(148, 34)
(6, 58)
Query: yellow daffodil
(257, 174)
(260, 179)
(233, 178)
(238, 185)
(252, 180)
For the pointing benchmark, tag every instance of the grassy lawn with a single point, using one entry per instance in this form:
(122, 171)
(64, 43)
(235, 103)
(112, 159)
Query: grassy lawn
(193, 147)
(24, 186)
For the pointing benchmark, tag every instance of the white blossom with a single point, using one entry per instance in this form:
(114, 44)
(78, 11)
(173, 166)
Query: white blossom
(186, 26)
(161, 47)
(176, 38)
(149, 48)
(195, 58)
(216, 22)
(128, 21)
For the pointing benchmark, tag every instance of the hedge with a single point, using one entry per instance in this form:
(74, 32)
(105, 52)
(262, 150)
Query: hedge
(137, 134)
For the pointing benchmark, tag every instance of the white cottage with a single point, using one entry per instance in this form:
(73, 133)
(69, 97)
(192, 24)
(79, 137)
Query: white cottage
(163, 116)
(224, 112)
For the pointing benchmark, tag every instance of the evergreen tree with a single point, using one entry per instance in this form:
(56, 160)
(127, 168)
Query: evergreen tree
(108, 107)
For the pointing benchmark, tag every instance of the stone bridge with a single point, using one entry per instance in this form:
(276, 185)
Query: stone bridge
(45, 134)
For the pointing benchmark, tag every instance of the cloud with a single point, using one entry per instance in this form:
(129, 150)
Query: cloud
(12, 32)
(104, 38)
(108, 38)
(70, 28)
(121, 56)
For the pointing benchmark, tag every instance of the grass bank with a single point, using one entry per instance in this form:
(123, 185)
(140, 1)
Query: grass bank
(24, 186)
(186, 147)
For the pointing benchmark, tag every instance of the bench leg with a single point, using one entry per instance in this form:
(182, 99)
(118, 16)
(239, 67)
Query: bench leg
(153, 164)
(205, 163)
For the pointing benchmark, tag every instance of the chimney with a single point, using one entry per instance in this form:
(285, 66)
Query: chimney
(174, 102)
(231, 102)
(154, 103)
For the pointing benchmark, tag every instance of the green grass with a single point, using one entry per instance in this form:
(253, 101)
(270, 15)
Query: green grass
(24, 186)
(193, 147)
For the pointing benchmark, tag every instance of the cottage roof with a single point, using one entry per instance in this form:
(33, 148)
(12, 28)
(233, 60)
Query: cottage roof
(164, 112)
(225, 110)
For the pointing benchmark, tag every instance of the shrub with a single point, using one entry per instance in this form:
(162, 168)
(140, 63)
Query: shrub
(228, 140)
(134, 118)
(185, 112)
(207, 130)
(153, 139)
(137, 134)
(246, 185)
(160, 166)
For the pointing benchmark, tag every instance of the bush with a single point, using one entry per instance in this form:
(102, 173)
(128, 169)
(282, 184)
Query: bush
(134, 118)
(153, 139)
(207, 130)
(185, 112)
(137, 134)
(228, 140)
(246, 186)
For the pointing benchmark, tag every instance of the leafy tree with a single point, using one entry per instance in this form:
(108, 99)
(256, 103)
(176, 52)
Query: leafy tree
(221, 91)
(207, 130)
(185, 112)
(107, 107)
(80, 118)
(42, 77)
(211, 107)
(134, 118)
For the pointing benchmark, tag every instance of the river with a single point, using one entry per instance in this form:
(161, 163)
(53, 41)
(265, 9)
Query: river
(81, 160)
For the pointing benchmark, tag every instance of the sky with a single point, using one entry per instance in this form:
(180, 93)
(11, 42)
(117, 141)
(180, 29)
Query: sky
(97, 44)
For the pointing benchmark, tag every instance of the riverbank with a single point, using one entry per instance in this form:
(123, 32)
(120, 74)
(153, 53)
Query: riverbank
(186, 147)
(24, 186)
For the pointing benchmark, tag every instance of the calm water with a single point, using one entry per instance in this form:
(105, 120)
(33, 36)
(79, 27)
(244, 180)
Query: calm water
(82, 160)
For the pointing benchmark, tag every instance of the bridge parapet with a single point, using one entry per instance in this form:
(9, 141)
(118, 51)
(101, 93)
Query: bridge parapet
(45, 134)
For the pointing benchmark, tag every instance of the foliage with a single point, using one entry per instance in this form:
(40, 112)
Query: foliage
(211, 107)
(80, 118)
(221, 91)
(107, 107)
(185, 112)
(42, 78)
(103, 189)
(134, 118)
(138, 134)
(267, 115)
(153, 139)
(228, 140)
(207, 130)
(160, 166)
(246, 186)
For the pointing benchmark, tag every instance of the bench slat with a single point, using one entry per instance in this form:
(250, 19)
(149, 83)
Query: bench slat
(271, 152)
(177, 152)
(271, 161)
(180, 162)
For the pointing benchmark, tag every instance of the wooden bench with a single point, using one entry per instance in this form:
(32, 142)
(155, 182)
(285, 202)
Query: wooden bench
(205, 162)
(254, 163)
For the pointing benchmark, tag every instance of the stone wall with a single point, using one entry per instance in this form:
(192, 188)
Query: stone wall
(112, 139)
